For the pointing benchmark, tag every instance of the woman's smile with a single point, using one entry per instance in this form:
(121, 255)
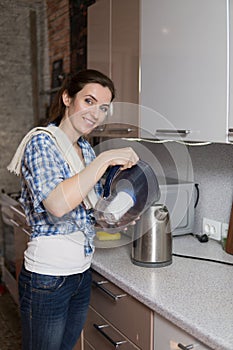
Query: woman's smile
(86, 111)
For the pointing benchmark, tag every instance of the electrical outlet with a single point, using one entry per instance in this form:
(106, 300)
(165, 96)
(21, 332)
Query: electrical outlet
(212, 228)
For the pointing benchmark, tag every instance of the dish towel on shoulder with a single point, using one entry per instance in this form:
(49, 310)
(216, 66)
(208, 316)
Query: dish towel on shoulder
(71, 157)
(67, 150)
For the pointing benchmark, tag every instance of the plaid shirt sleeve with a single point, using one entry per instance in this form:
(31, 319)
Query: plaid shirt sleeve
(43, 168)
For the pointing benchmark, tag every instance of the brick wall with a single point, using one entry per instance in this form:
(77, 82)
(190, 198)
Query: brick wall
(58, 17)
(67, 33)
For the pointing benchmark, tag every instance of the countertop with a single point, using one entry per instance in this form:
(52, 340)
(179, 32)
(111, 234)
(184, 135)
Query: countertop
(196, 295)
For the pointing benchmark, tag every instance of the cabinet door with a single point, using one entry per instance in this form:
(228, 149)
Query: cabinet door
(170, 337)
(125, 68)
(87, 346)
(125, 49)
(98, 36)
(184, 69)
(113, 48)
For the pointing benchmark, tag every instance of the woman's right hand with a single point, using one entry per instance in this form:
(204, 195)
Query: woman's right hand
(126, 157)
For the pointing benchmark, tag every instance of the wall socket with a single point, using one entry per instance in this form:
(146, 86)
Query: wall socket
(212, 228)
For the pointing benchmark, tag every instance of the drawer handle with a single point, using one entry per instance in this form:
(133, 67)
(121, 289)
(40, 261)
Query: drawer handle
(168, 131)
(121, 130)
(185, 347)
(99, 129)
(115, 297)
(116, 344)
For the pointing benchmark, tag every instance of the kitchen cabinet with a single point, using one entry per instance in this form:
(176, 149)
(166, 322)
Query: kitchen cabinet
(116, 319)
(185, 70)
(15, 237)
(113, 48)
(170, 337)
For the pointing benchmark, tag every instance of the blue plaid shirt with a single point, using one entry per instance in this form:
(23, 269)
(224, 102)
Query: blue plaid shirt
(43, 168)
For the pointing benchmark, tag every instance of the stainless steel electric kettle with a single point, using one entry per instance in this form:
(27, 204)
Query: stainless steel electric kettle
(152, 244)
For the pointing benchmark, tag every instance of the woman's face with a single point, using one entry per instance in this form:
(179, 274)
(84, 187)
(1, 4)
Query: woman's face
(88, 108)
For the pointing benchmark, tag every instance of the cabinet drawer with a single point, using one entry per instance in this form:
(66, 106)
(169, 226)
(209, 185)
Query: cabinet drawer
(87, 346)
(168, 336)
(131, 317)
(100, 334)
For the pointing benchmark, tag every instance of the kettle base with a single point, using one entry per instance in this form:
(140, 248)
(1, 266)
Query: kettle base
(151, 264)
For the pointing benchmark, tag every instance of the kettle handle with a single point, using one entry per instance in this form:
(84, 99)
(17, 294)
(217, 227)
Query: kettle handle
(111, 174)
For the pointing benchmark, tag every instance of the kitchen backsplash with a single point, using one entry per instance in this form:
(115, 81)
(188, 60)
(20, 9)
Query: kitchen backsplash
(212, 170)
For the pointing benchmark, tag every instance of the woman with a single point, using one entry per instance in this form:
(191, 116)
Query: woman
(60, 185)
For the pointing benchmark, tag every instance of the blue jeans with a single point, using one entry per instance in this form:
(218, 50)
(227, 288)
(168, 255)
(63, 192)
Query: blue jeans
(53, 309)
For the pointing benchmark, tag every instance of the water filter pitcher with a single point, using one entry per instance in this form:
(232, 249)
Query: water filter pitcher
(127, 194)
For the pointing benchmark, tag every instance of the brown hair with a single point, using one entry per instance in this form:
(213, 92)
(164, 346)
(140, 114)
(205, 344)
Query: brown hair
(73, 84)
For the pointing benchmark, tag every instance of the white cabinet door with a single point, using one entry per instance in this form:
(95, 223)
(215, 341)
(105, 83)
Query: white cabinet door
(169, 337)
(184, 69)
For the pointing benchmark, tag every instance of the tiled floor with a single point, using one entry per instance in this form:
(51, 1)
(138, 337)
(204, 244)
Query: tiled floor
(10, 335)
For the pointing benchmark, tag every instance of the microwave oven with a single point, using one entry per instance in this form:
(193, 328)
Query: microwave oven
(178, 197)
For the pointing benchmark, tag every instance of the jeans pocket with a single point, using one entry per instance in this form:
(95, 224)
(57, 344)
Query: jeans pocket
(47, 282)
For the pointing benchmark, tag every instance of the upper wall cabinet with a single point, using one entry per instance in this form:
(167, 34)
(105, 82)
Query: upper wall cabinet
(113, 48)
(185, 70)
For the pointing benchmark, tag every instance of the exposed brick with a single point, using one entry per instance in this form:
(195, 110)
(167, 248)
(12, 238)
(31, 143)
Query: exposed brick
(59, 32)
